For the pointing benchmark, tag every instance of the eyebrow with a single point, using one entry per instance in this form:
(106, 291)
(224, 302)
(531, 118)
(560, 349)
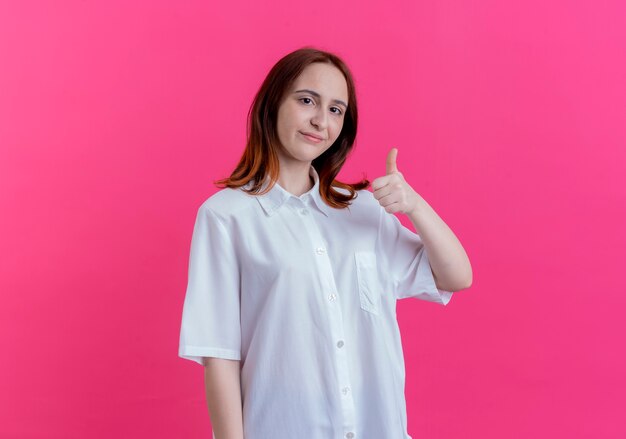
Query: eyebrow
(317, 95)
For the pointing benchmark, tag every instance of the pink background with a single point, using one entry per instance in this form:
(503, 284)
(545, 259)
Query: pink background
(509, 117)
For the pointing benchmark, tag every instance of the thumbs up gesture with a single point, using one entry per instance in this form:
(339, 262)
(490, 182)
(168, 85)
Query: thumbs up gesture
(392, 191)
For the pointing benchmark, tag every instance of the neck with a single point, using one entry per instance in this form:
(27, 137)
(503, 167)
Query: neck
(295, 178)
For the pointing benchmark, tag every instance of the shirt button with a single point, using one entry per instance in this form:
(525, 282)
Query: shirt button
(332, 297)
(304, 212)
(340, 343)
(349, 435)
(320, 250)
(345, 390)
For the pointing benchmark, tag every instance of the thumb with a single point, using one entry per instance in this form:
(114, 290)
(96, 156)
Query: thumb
(391, 161)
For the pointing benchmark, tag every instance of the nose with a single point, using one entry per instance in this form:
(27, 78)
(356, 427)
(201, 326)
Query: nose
(320, 119)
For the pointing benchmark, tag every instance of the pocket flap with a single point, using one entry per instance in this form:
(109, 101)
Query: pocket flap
(367, 276)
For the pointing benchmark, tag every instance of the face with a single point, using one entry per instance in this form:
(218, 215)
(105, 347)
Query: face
(315, 104)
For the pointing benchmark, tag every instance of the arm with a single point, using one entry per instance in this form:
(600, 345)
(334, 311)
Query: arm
(449, 262)
(223, 393)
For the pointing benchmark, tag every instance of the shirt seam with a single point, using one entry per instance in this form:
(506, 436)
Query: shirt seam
(221, 225)
(378, 247)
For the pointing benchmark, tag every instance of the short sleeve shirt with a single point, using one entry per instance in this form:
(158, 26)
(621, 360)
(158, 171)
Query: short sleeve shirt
(304, 295)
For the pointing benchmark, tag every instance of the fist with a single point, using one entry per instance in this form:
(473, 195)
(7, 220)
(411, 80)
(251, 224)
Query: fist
(392, 191)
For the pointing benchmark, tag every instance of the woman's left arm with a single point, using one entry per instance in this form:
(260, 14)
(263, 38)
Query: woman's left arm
(448, 260)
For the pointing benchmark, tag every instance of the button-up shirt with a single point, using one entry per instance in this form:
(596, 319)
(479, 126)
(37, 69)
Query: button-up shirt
(304, 295)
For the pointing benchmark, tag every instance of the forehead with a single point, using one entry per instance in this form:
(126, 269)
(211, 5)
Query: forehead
(326, 79)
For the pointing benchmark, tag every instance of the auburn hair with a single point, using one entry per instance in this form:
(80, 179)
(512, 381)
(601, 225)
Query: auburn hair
(260, 158)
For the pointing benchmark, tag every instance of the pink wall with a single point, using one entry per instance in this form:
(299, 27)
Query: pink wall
(509, 118)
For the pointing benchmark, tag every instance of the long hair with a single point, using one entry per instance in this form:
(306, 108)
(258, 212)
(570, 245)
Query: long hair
(260, 158)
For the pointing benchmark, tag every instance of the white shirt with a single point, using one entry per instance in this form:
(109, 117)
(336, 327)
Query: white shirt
(305, 296)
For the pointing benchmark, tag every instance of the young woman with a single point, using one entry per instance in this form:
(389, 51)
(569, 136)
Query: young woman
(294, 276)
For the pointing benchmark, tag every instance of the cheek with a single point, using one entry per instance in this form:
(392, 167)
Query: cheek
(291, 123)
(337, 129)
(283, 126)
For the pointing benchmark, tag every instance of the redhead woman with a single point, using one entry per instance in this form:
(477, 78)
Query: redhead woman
(294, 276)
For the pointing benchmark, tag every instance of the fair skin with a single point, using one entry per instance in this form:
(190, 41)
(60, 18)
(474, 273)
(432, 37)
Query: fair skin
(223, 394)
(320, 111)
(303, 111)
(449, 262)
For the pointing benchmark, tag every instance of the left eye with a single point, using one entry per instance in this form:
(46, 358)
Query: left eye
(307, 100)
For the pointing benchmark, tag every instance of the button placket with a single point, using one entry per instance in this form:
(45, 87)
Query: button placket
(335, 319)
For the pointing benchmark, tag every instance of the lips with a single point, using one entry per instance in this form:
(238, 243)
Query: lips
(315, 136)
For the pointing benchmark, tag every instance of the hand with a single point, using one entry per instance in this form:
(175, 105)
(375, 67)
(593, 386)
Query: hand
(392, 191)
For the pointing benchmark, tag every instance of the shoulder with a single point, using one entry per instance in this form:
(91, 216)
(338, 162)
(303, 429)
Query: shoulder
(364, 208)
(227, 203)
(364, 199)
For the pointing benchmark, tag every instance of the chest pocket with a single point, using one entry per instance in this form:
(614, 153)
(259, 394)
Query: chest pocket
(367, 278)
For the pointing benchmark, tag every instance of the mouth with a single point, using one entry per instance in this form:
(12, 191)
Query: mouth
(311, 138)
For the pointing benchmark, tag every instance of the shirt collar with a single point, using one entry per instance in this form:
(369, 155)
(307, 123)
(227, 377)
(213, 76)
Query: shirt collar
(277, 196)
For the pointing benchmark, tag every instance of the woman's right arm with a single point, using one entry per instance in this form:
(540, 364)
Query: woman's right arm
(223, 393)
